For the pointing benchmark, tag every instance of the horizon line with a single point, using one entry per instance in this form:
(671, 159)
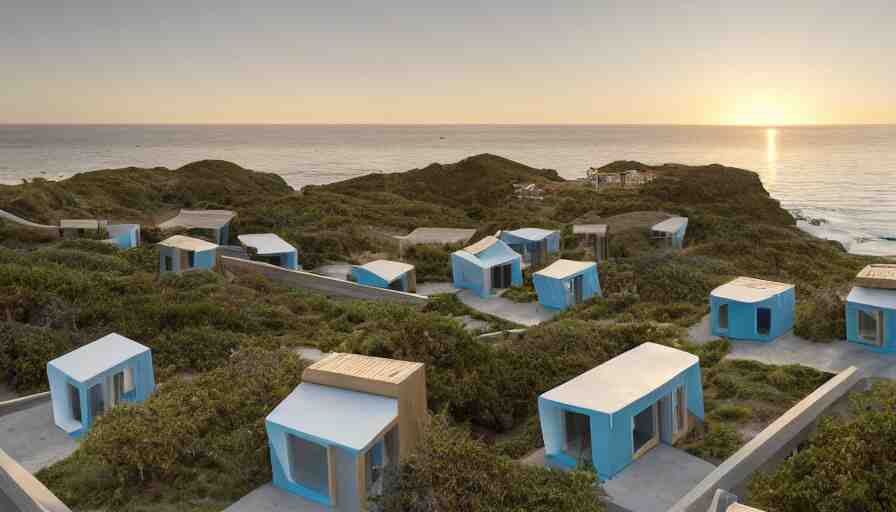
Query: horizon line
(497, 124)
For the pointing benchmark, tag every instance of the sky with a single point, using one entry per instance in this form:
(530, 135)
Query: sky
(402, 61)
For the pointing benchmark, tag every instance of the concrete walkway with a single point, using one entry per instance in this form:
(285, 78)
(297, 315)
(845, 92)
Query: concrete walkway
(435, 288)
(528, 313)
(653, 483)
(32, 439)
(27, 223)
(335, 270)
(268, 498)
(834, 356)
(657, 480)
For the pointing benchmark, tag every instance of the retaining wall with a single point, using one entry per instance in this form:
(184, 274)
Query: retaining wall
(772, 445)
(327, 285)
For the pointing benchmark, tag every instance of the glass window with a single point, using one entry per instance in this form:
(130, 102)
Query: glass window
(869, 326)
(74, 398)
(309, 465)
(681, 410)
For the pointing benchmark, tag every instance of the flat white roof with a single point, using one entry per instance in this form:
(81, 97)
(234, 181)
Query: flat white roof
(79, 224)
(589, 229)
(565, 268)
(350, 419)
(481, 245)
(388, 270)
(624, 379)
(748, 289)
(438, 236)
(670, 225)
(532, 234)
(94, 358)
(876, 297)
(187, 243)
(206, 219)
(267, 243)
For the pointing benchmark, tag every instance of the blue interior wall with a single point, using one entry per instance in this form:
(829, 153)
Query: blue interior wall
(742, 317)
(466, 273)
(678, 236)
(205, 259)
(611, 435)
(290, 260)
(852, 327)
(364, 276)
(552, 292)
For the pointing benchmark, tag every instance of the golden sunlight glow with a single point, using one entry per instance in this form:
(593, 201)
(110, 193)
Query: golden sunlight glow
(769, 109)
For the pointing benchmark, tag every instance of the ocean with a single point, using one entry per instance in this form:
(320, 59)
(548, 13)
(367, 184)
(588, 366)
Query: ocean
(844, 177)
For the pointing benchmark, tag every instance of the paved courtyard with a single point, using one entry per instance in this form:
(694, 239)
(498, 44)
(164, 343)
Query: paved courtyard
(31, 438)
(834, 356)
(268, 498)
(435, 287)
(657, 480)
(528, 313)
(653, 483)
(336, 270)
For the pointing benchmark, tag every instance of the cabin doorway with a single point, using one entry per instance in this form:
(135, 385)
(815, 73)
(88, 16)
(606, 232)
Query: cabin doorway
(763, 321)
(578, 436)
(74, 399)
(96, 400)
(723, 317)
(502, 276)
(397, 285)
(645, 431)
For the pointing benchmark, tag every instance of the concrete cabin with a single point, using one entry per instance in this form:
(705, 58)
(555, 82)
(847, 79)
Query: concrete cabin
(215, 222)
(596, 237)
(393, 275)
(533, 244)
(615, 413)
(89, 381)
(125, 236)
(70, 229)
(565, 283)
(486, 266)
(670, 232)
(272, 249)
(871, 309)
(181, 253)
(350, 419)
(752, 309)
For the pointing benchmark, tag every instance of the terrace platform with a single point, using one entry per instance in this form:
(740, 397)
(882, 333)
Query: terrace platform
(31, 438)
(833, 356)
(526, 313)
(268, 498)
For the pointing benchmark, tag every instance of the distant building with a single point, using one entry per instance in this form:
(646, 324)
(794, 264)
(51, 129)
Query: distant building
(533, 244)
(182, 253)
(394, 275)
(351, 419)
(215, 222)
(89, 381)
(486, 266)
(272, 249)
(871, 309)
(125, 236)
(615, 413)
(670, 232)
(596, 237)
(530, 191)
(71, 229)
(602, 179)
(565, 283)
(752, 309)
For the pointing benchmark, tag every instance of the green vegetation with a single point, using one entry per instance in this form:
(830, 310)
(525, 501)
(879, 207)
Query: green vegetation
(847, 465)
(451, 471)
(208, 330)
(743, 397)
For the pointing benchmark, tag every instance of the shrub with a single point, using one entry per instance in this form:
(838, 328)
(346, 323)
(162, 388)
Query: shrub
(821, 316)
(451, 471)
